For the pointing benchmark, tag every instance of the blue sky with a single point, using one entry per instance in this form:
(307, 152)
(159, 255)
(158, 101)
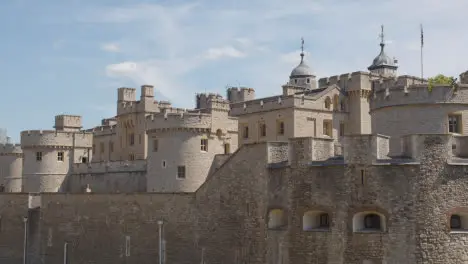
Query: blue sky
(70, 56)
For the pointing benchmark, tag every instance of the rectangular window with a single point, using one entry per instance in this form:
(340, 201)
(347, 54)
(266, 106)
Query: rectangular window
(101, 147)
(454, 124)
(327, 128)
(155, 145)
(60, 156)
(227, 148)
(280, 128)
(94, 148)
(262, 130)
(204, 144)
(181, 172)
(38, 156)
(132, 139)
(111, 146)
(132, 156)
(342, 129)
(245, 131)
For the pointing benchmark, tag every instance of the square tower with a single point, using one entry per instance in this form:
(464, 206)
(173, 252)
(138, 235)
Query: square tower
(68, 123)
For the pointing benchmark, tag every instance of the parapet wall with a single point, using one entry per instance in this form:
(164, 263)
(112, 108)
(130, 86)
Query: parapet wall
(10, 149)
(53, 138)
(103, 130)
(306, 149)
(235, 95)
(365, 149)
(109, 167)
(181, 120)
(347, 81)
(264, 104)
(418, 94)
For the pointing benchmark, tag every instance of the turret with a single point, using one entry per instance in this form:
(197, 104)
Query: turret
(11, 167)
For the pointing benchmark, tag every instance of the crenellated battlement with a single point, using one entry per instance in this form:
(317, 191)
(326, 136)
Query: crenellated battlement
(240, 94)
(178, 121)
(109, 167)
(103, 130)
(348, 81)
(410, 94)
(211, 101)
(54, 138)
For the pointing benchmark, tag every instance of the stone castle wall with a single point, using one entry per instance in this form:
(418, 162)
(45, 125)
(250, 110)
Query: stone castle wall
(11, 167)
(227, 220)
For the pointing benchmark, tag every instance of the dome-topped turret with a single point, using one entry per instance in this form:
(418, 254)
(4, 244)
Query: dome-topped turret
(383, 64)
(302, 70)
(301, 76)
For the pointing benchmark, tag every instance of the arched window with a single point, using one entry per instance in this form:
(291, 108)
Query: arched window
(342, 105)
(315, 220)
(327, 102)
(369, 221)
(276, 218)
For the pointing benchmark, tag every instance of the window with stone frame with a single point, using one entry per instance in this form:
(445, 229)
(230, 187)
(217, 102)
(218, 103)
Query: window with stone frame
(245, 131)
(39, 156)
(263, 130)
(327, 128)
(132, 156)
(204, 144)
(180, 172)
(280, 128)
(60, 156)
(101, 147)
(132, 139)
(454, 124)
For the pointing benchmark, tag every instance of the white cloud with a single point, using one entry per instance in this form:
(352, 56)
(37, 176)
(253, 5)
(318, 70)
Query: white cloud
(110, 47)
(170, 44)
(227, 51)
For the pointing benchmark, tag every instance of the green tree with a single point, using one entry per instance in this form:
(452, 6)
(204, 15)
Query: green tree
(441, 79)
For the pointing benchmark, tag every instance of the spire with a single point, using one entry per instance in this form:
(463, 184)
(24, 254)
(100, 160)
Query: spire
(302, 50)
(382, 38)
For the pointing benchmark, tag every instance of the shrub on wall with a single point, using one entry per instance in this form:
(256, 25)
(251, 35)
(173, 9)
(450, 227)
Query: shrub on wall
(441, 79)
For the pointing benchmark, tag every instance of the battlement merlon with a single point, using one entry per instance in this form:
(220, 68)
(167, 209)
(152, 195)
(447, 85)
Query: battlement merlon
(56, 139)
(69, 123)
(211, 101)
(439, 146)
(125, 94)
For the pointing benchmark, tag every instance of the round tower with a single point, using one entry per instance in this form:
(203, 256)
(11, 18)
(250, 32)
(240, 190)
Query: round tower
(182, 147)
(11, 167)
(50, 154)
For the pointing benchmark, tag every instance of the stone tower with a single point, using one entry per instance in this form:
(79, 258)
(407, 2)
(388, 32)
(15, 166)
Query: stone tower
(302, 75)
(50, 154)
(11, 167)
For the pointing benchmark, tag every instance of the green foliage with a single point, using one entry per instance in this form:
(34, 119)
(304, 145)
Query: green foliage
(441, 79)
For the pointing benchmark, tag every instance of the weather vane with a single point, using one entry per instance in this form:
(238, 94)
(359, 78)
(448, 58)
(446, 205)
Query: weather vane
(302, 49)
(381, 35)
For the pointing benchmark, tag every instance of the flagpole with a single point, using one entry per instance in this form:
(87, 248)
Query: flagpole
(422, 58)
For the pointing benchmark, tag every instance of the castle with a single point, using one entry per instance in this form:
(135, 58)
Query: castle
(358, 168)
